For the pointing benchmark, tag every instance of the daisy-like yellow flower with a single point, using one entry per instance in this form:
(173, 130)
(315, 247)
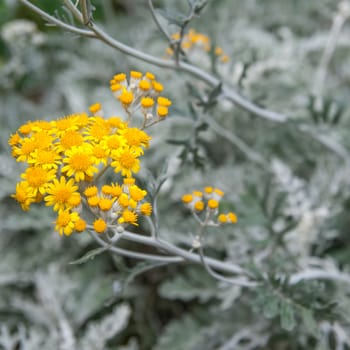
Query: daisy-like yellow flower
(80, 162)
(38, 178)
(65, 222)
(24, 195)
(136, 138)
(68, 140)
(97, 130)
(45, 158)
(128, 217)
(60, 194)
(126, 161)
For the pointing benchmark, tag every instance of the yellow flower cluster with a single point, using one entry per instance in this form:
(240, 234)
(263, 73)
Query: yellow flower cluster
(66, 157)
(208, 201)
(194, 39)
(141, 91)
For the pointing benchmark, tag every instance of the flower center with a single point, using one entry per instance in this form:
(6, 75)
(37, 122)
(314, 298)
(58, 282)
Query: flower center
(80, 161)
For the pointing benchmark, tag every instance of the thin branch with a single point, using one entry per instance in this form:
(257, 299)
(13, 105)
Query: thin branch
(234, 281)
(134, 255)
(156, 21)
(236, 141)
(318, 274)
(57, 22)
(73, 8)
(338, 22)
(172, 249)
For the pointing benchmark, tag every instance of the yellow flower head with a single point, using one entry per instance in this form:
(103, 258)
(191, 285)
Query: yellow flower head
(61, 192)
(100, 225)
(65, 222)
(80, 163)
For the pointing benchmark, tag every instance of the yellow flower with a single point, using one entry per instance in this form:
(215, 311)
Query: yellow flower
(80, 163)
(199, 205)
(38, 178)
(126, 97)
(91, 191)
(65, 222)
(187, 198)
(23, 195)
(61, 193)
(162, 111)
(105, 204)
(25, 148)
(136, 193)
(116, 190)
(98, 129)
(135, 74)
(213, 203)
(222, 218)
(100, 225)
(146, 209)
(80, 225)
(126, 161)
(47, 159)
(95, 108)
(144, 85)
(128, 217)
(64, 124)
(157, 86)
(147, 102)
(136, 137)
(93, 201)
(69, 139)
(163, 101)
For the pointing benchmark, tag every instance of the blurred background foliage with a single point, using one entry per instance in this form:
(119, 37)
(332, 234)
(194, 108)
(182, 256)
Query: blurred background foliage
(288, 182)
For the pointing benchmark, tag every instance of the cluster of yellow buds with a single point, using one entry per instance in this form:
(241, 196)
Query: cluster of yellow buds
(141, 91)
(196, 40)
(208, 201)
(65, 159)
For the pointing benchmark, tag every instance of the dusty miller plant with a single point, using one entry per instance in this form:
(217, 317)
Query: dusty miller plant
(276, 279)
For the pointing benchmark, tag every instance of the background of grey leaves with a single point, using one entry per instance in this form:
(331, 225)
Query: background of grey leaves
(288, 183)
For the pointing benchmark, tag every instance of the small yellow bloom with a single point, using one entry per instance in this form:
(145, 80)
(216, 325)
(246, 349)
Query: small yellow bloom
(135, 74)
(105, 204)
(163, 101)
(136, 193)
(100, 225)
(232, 217)
(128, 217)
(120, 77)
(146, 209)
(199, 205)
(222, 218)
(80, 225)
(95, 108)
(91, 191)
(65, 222)
(23, 195)
(187, 198)
(147, 102)
(93, 201)
(126, 97)
(144, 85)
(213, 203)
(162, 111)
(157, 87)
